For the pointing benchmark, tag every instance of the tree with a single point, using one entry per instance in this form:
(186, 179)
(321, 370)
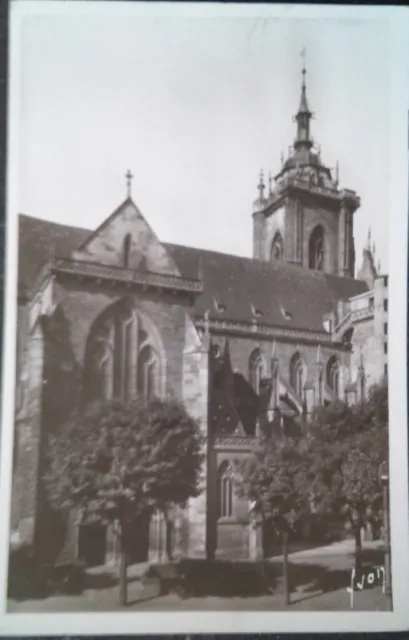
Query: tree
(346, 446)
(273, 480)
(118, 461)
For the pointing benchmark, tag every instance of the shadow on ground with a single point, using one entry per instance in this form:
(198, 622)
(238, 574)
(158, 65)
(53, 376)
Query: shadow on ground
(201, 578)
(105, 579)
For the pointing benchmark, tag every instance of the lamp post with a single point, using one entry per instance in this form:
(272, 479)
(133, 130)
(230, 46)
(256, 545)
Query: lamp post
(384, 480)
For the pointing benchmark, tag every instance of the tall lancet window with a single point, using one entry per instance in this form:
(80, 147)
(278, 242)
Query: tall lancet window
(316, 249)
(225, 490)
(298, 374)
(127, 249)
(333, 369)
(277, 248)
(122, 358)
(256, 369)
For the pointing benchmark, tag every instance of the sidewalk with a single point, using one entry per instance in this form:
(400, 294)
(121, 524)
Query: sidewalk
(104, 595)
(343, 548)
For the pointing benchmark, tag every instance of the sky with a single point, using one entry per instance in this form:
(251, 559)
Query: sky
(195, 107)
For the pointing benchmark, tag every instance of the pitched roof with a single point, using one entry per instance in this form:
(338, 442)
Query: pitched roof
(38, 240)
(286, 295)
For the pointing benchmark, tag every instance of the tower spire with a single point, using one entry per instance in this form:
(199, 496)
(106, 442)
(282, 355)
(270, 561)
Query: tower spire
(304, 115)
(261, 185)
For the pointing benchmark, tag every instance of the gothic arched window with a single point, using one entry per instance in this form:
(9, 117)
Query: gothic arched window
(127, 249)
(122, 359)
(333, 374)
(225, 490)
(256, 369)
(316, 249)
(277, 248)
(297, 374)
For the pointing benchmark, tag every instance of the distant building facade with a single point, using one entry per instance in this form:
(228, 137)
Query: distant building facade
(245, 343)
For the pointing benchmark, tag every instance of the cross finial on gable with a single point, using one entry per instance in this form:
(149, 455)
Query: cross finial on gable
(129, 178)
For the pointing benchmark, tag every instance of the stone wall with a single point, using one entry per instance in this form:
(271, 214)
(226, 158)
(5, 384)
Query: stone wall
(196, 399)
(54, 395)
(229, 536)
(107, 245)
(241, 349)
(28, 433)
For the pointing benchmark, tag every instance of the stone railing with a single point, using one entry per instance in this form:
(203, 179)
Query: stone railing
(124, 275)
(342, 324)
(363, 313)
(234, 442)
(262, 331)
(306, 185)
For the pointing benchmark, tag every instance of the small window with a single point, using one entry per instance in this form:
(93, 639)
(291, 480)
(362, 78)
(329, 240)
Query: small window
(371, 303)
(126, 250)
(385, 305)
(385, 348)
(385, 281)
(385, 368)
(385, 328)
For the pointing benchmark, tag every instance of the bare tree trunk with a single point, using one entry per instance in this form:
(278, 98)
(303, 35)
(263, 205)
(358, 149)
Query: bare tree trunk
(285, 568)
(358, 546)
(168, 536)
(123, 582)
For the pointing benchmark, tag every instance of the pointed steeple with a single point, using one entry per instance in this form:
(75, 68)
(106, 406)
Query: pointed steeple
(304, 115)
(303, 102)
(261, 186)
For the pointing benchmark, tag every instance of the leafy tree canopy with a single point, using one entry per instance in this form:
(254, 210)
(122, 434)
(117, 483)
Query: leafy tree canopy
(117, 460)
(273, 480)
(346, 446)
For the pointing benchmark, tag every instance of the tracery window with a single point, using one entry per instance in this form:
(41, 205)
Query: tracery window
(277, 248)
(297, 374)
(122, 359)
(333, 374)
(256, 369)
(225, 490)
(316, 249)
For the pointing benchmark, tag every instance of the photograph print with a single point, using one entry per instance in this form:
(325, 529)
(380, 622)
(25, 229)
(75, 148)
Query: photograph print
(201, 408)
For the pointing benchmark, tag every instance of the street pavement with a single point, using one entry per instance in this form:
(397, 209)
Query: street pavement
(104, 597)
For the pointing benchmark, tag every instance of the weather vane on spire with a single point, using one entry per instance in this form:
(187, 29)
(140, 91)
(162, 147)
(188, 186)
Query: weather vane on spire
(129, 178)
(303, 54)
(261, 184)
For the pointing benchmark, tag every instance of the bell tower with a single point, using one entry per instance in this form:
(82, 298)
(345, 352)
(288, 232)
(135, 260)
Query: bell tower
(305, 218)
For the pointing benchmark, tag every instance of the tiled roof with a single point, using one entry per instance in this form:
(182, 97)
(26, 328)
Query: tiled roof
(286, 295)
(235, 288)
(38, 240)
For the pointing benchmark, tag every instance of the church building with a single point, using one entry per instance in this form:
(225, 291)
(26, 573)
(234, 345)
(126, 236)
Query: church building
(245, 343)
